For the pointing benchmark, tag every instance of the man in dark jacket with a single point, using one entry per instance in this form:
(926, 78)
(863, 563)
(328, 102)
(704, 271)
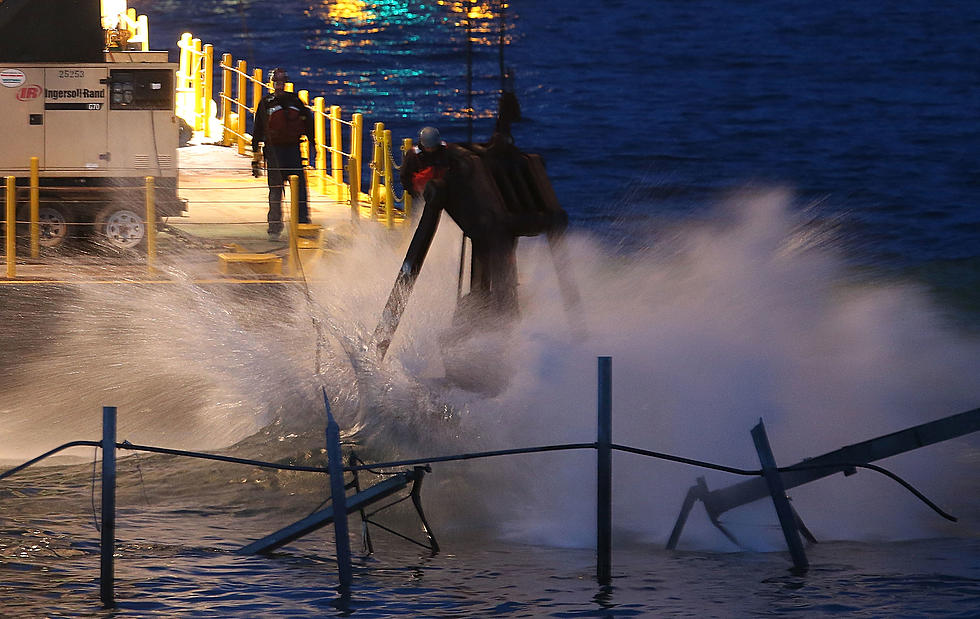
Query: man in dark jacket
(281, 119)
(427, 161)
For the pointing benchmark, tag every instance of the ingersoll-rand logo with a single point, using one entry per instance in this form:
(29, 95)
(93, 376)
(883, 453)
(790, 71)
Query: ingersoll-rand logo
(29, 92)
(74, 93)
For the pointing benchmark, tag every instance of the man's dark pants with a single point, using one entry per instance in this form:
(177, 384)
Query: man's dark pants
(283, 162)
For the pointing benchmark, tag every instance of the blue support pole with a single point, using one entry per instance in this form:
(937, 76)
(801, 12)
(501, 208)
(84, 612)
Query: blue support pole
(604, 474)
(108, 546)
(784, 511)
(338, 496)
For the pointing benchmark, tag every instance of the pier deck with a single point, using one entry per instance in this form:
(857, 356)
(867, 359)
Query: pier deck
(226, 212)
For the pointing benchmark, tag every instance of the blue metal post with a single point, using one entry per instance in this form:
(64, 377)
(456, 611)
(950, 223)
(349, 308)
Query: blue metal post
(338, 496)
(783, 510)
(604, 474)
(108, 545)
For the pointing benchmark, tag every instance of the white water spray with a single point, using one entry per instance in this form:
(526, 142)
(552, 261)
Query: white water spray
(723, 323)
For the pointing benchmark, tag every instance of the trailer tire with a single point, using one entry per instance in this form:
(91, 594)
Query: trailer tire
(120, 228)
(54, 227)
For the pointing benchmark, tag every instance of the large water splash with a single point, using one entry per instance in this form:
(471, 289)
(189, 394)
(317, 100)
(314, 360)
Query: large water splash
(749, 315)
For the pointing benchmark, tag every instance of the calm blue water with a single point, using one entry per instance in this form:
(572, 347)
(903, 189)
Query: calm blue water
(651, 116)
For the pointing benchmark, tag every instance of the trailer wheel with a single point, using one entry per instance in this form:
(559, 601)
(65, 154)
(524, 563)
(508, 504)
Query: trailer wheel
(120, 228)
(53, 226)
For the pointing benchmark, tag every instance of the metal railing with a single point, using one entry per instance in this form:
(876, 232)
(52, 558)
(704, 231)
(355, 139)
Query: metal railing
(239, 97)
(147, 210)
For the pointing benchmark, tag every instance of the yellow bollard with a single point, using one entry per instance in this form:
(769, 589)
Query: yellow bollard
(356, 137)
(208, 86)
(226, 99)
(143, 27)
(376, 164)
(407, 196)
(353, 173)
(294, 266)
(151, 227)
(197, 85)
(35, 208)
(11, 227)
(389, 182)
(183, 76)
(241, 108)
(304, 145)
(258, 88)
(337, 152)
(319, 132)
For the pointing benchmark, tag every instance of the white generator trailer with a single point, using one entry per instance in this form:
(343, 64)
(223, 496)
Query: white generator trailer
(98, 130)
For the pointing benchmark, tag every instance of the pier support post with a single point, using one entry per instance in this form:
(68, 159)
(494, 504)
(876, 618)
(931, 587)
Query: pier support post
(604, 474)
(108, 545)
(784, 511)
(338, 495)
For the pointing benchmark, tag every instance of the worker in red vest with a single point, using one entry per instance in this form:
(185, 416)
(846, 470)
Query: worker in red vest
(427, 161)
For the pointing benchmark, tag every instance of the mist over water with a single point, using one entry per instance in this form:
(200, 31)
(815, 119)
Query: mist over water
(750, 315)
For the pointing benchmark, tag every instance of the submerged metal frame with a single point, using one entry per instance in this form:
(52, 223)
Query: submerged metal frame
(357, 502)
(844, 460)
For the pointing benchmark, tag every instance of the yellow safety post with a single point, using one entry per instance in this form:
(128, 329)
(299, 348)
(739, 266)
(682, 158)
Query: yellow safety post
(353, 172)
(197, 85)
(35, 208)
(320, 132)
(356, 137)
(258, 88)
(389, 186)
(208, 87)
(376, 164)
(241, 90)
(304, 145)
(293, 225)
(337, 151)
(183, 74)
(226, 99)
(11, 227)
(151, 227)
(143, 27)
(407, 196)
